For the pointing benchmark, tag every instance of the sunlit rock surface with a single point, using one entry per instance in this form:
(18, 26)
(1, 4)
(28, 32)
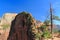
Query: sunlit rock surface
(5, 22)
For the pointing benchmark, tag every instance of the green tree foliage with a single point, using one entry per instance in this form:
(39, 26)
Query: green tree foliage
(59, 31)
(46, 22)
(56, 18)
(43, 28)
(45, 32)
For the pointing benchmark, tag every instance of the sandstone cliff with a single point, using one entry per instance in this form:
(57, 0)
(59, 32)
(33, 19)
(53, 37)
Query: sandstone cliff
(5, 22)
(22, 27)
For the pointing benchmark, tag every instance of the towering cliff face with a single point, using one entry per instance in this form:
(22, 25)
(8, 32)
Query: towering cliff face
(21, 27)
(8, 17)
(5, 22)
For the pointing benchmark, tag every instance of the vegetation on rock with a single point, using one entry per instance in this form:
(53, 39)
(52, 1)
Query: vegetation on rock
(5, 26)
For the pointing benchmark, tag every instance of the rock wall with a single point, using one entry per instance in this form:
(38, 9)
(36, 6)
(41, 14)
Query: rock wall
(21, 27)
(5, 23)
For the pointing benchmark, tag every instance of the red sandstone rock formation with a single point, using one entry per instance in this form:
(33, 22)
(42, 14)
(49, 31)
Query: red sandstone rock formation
(20, 27)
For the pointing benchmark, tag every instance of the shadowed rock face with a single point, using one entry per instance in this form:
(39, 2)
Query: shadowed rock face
(20, 27)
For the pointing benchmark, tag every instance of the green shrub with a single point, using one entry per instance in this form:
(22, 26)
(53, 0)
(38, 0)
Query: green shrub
(5, 26)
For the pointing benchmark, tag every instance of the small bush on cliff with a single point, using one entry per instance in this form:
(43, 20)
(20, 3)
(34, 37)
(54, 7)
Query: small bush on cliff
(5, 26)
(45, 33)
